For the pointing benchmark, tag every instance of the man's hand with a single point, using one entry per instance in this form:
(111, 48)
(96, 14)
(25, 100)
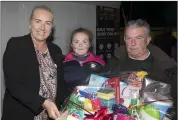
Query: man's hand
(52, 109)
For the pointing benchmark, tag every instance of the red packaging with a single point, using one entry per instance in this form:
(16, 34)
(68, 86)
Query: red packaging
(96, 104)
(102, 114)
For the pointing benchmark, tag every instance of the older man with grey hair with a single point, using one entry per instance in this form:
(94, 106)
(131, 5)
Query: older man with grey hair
(138, 54)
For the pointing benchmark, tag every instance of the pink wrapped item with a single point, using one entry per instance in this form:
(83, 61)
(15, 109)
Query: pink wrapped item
(124, 117)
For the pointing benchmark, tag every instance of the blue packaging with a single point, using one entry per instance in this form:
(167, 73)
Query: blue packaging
(96, 80)
(107, 103)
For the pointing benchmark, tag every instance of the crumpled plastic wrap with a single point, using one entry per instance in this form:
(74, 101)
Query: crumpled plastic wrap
(150, 85)
(156, 95)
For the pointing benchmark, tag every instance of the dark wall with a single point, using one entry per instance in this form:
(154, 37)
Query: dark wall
(157, 13)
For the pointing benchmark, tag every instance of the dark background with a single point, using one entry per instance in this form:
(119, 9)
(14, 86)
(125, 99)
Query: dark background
(157, 13)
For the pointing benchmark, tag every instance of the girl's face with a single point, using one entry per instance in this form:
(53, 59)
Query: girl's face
(80, 44)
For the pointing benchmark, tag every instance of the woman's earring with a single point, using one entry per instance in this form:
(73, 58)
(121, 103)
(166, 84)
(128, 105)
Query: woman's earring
(30, 26)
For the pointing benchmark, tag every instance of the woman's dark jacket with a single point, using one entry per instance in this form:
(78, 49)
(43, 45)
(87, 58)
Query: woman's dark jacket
(22, 79)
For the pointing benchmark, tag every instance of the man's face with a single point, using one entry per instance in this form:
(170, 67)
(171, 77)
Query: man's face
(80, 44)
(41, 25)
(136, 41)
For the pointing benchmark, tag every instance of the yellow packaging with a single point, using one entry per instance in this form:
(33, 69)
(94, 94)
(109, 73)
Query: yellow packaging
(88, 105)
(106, 96)
(141, 74)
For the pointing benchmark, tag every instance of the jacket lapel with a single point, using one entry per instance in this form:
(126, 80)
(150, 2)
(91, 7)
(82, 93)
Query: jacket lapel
(31, 49)
(54, 55)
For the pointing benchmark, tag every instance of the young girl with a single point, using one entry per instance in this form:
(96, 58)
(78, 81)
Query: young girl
(80, 62)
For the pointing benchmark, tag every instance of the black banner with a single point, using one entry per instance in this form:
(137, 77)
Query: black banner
(107, 31)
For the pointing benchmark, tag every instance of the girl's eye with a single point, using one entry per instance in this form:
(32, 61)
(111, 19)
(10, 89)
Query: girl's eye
(85, 41)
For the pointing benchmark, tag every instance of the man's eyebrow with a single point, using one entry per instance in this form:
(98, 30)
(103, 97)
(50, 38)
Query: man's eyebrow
(139, 36)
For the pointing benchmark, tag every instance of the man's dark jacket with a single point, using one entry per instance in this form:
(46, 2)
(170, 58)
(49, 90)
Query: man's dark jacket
(161, 62)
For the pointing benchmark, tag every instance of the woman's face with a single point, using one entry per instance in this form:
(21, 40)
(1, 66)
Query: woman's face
(80, 44)
(41, 25)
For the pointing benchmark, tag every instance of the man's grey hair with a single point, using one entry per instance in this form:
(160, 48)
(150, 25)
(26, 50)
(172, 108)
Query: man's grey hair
(42, 7)
(139, 23)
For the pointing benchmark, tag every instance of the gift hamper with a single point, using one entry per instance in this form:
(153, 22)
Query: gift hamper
(130, 96)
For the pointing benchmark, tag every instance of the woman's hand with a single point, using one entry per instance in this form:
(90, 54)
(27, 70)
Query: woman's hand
(52, 109)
